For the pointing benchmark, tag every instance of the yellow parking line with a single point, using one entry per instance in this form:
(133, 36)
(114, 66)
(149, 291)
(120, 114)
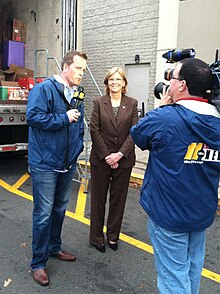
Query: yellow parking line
(14, 190)
(79, 215)
(21, 181)
(81, 199)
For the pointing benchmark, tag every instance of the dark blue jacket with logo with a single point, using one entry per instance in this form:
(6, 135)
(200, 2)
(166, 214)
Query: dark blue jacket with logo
(180, 185)
(54, 143)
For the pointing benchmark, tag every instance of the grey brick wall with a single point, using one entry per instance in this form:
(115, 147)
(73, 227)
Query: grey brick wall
(113, 32)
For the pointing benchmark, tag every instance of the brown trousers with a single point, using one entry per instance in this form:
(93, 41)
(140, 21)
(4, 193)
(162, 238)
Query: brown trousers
(116, 182)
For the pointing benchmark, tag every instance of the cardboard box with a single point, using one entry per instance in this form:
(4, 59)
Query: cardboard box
(5, 20)
(16, 72)
(9, 84)
(12, 53)
(9, 91)
(2, 75)
(3, 93)
(19, 30)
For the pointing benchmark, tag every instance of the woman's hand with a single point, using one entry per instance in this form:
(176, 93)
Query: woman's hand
(113, 158)
(115, 166)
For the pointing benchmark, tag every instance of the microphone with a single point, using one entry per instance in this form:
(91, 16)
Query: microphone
(177, 55)
(78, 95)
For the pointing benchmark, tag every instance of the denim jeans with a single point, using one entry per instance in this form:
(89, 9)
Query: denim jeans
(51, 193)
(179, 258)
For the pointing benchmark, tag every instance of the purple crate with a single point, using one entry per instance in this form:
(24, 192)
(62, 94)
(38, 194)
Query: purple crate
(12, 53)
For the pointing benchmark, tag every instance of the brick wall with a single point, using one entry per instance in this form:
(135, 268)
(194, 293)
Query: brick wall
(112, 33)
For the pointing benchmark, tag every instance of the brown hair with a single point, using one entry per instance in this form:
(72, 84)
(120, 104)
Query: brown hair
(68, 57)
(110, 73)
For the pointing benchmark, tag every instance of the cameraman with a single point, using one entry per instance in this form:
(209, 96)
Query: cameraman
(180, 188)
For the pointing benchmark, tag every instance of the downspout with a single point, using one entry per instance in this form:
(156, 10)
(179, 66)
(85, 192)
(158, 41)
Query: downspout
(63, 26)
(67, 32)
(66, 25)
(73, 21)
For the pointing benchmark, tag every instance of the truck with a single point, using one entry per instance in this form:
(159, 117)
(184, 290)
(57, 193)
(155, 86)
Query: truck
(37, 25)
(13, 125)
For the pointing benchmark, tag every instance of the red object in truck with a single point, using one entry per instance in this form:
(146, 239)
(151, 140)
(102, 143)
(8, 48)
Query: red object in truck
(27, 83)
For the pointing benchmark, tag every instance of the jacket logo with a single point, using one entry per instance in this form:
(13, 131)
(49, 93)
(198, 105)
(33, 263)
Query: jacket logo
(199, 152)
(192, 152)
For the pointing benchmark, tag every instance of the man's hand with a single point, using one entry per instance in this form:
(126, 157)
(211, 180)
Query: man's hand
(165, 97)
(73, 115)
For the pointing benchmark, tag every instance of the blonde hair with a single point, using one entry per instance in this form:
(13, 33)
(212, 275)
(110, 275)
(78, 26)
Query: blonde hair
(110, 73)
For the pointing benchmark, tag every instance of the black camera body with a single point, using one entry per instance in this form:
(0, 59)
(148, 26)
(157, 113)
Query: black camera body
(159, 87)
(215, 94)
(177, 55)
(171, 57)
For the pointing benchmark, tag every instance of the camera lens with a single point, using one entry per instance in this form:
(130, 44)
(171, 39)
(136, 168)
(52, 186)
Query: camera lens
(159, 89)
(168, 74)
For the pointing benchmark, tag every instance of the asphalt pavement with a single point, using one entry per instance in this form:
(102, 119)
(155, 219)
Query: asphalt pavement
(128, 270)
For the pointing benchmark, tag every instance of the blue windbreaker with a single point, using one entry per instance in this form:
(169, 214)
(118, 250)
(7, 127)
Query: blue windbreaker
(180, 185)
(54, 142)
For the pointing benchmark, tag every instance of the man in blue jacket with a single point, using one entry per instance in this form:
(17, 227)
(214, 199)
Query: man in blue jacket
(180, 187)
(56, 132)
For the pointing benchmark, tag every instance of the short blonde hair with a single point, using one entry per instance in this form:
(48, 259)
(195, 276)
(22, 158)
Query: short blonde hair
(110, 73)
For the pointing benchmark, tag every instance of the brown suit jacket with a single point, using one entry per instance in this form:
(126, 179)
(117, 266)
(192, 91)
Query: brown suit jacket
(110, 135)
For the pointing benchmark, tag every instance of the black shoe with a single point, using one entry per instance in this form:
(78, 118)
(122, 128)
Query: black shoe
(113, 246)
(100, 247)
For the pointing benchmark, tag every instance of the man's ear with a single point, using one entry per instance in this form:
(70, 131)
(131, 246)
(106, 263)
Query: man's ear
(182, 85)
(65, 67)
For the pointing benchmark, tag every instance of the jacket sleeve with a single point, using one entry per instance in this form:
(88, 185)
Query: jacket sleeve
(39, 112)
(99, 145)
(149, 130)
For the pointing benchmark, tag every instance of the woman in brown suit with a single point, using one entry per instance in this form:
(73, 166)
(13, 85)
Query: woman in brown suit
(112, 157)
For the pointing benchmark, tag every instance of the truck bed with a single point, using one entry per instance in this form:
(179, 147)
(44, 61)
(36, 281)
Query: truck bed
(11, 102)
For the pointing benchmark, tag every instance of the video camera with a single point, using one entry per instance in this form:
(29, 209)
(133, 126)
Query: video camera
(215, 94)
(177, 55)
(172, 56)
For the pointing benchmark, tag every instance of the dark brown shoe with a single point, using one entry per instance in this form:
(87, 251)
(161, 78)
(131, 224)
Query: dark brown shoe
(64, 256)
(40, 276)
(100, 247)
